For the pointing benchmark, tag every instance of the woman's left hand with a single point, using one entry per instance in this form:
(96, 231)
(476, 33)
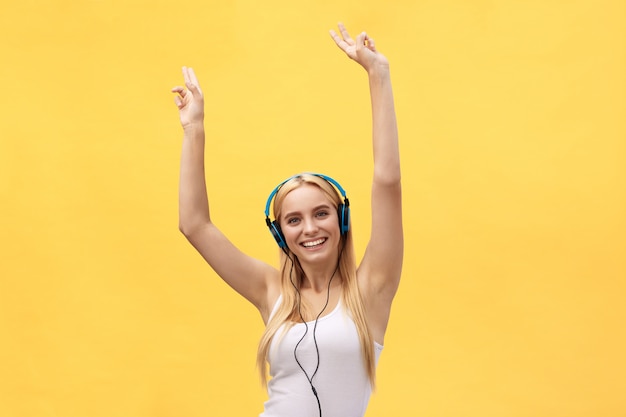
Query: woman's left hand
(362, 49)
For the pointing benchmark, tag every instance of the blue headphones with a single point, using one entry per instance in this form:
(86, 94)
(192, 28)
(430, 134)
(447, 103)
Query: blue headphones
(343, 211)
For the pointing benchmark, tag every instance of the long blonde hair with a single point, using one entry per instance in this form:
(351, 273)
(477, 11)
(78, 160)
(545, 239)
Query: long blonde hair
(287, 313)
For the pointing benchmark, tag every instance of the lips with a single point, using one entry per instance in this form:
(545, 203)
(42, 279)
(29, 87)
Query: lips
(313, 243)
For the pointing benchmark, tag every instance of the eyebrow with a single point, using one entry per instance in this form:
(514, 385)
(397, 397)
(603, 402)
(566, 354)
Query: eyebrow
(293, 213)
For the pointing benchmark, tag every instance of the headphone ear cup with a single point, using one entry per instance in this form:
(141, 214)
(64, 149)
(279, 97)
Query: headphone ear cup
(278, 234)
(343, 212)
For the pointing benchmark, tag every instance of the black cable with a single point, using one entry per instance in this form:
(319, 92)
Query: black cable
(306, 326)
(317, 351)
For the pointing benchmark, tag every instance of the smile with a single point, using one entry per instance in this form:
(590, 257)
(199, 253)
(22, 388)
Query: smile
(313, 243)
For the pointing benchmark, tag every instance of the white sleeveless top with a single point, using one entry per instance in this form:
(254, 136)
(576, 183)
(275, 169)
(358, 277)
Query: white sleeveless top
(341, 381)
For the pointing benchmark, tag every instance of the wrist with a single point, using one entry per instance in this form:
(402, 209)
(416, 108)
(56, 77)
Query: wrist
(379, 77)
(379, 71)
(193, 127)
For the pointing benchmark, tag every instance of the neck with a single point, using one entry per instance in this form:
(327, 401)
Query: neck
(318, 277)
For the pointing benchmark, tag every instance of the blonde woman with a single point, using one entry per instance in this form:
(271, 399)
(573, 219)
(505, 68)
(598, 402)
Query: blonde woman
(325, 315)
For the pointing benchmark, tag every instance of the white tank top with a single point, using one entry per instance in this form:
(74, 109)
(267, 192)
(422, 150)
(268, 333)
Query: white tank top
(341, 381)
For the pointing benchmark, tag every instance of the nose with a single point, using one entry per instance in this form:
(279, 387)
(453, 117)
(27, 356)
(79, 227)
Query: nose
(310, 226)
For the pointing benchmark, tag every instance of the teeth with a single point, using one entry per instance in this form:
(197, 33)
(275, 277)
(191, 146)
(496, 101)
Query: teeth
(313, 243)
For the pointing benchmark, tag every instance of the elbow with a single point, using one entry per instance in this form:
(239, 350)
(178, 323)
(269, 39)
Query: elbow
(188, 228)
(184, 229)
(190, 220)
(388, 177)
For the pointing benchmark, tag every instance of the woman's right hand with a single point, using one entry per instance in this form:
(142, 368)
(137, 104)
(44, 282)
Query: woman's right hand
(190, 101)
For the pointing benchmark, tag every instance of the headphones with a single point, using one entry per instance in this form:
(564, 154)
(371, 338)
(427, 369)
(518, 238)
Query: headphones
(343, 210)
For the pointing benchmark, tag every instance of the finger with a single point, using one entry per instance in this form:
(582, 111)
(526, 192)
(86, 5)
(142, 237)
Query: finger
(338, 41)
(180, 90)
(194, 89)
(370, 42)
(344, 32)
(360, 40)
(178, 101)
(191, 81)
(193, 78)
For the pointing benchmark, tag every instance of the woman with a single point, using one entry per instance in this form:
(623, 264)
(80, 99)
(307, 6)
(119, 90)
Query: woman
(325, 318)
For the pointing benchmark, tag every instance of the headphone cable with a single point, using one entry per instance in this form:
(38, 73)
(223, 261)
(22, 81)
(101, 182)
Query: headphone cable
(306, 326)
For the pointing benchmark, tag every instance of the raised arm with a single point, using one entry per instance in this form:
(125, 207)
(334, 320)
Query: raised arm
(253, 279)
(379, 272)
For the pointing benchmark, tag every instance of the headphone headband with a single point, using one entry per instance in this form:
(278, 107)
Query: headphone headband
(325, 177)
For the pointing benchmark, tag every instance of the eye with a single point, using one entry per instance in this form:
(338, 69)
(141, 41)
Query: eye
(322, 213)
(293, 220)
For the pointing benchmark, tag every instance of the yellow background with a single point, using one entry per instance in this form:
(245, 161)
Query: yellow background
(513, 138)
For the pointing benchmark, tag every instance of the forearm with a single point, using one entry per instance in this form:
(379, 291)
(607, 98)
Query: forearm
(193, 200)
(384, 127)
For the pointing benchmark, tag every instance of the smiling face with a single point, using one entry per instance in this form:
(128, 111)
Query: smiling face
(310, 225)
